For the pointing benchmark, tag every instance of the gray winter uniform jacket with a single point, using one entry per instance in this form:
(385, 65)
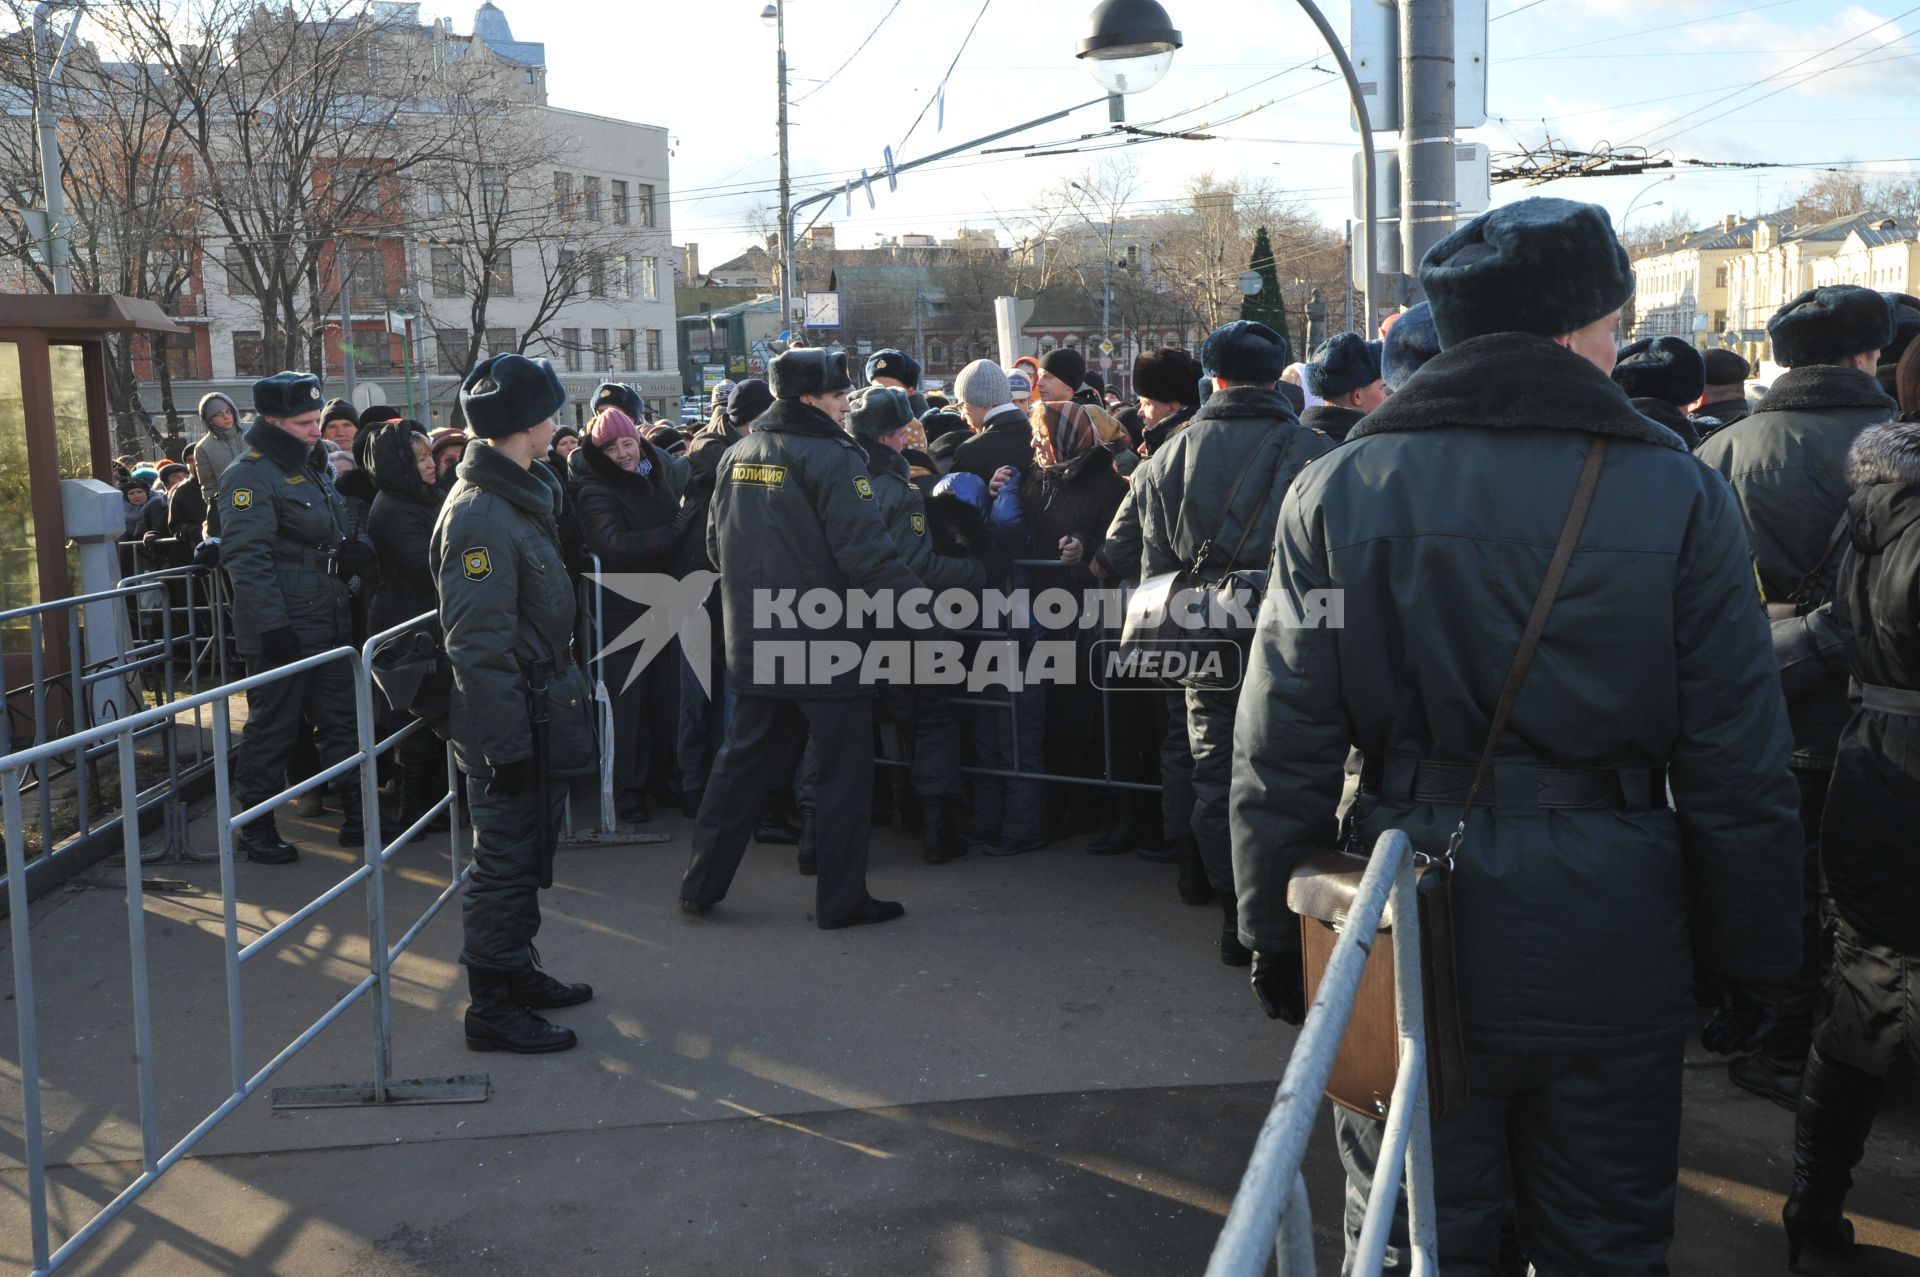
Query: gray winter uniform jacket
(905, 514)
(794, 509)
(281, 524)
(1788, 467)
(506, 604)
(1181, 491)
(1577, 927)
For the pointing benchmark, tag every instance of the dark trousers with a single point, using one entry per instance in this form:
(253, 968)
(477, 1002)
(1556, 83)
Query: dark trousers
(275, 712)
(765, 737)
(501, 907)
(1210, 714)
(1792, 1032)
(926, 735)
(1010, 738)
(1176, 770)
(1586, 1147)
(645, 720)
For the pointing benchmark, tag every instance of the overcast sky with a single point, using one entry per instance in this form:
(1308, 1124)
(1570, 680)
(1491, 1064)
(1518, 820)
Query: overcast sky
(1675, 75)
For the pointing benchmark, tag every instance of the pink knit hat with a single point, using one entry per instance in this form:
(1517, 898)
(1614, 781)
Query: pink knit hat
(610, 424)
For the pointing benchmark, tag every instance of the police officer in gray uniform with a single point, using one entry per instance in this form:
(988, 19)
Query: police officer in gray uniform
(794, 508)
(289, 552)
(520, 710)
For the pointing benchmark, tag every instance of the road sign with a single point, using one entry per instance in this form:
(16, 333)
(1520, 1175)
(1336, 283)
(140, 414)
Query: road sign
(1374, 47)
(756, 365)
(1106, 363)
(1106, 346)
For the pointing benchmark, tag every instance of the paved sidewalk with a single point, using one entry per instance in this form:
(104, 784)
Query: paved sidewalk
(1043, 1069)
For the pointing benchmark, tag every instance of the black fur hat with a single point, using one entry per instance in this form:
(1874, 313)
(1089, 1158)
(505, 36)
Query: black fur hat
(1824, 324)
(1346, 362)
(379, 413)
(617, 394)
(1542, 265)
(287, 394)
(1410, 343)
(1664, 368)
(1906, 326)
(1245, 351)
(1726, 368)
(1167, 375)
(879, 410)
(510, 393)
(809, 371)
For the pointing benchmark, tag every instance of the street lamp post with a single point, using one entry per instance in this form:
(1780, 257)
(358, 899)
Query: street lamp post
(46, 70)
(1642, 195)
(1106, 259)
(775, 16)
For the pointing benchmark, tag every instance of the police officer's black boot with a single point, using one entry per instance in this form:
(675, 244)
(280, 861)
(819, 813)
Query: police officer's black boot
(496, 1022)
(262, 844)
(808, 859)
(535, 990)
(940, 839)
(420, 788)
(1194, 887)
(1837, 1106)
(1232, 952)
(1118, 838)
(352, 829)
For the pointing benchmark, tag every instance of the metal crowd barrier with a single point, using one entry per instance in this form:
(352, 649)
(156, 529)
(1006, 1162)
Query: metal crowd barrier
(117, 737)
(1270, 1210)
(153, 647)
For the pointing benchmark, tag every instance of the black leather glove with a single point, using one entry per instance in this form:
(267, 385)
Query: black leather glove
(207, 553)
(510, 779)
(684, 520)
(1281, 986)
(356, 556)
(281, 646)
(1745, 1013)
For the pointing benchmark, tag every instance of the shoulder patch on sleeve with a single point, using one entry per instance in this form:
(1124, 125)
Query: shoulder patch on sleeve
(476, 564)
(864, 486)
(296, 478)
(919, 522)
(242, 498)
(253, 454)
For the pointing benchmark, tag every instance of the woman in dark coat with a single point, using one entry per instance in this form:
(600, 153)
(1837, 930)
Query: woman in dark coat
(627, 500)
(406, 500)
(1870, 1007)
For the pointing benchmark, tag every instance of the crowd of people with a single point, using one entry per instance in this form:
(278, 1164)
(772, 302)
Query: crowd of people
(1708, 757)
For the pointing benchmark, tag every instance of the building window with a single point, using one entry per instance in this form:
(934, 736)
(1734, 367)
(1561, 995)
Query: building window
(597, 277)
(654, 351)
(569, 276)
(619, 203)
(452, 344)
(443, 196)
(563, 195)
(449, 274)
(367, 278)
(570, 341)
(502, 341)
(590, 198)
(493, 190)
(602, 351)
(629, 354)
(249, 355)
(1720, 277)
(622, 275)
(936, 354)
(644, 195)
(179, 355)
(500, 274)
(237, 285)
(650, 278)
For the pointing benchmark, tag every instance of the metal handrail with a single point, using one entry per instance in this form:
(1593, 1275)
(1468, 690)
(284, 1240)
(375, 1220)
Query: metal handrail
(1270, 1211)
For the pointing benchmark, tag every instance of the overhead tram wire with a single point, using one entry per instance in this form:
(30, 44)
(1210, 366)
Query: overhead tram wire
(939, 88)
(1671, 26)
(850, 57)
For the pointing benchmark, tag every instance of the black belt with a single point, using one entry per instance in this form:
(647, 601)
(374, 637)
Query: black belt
(1517, 786)
(304, 558)
(1890, 700)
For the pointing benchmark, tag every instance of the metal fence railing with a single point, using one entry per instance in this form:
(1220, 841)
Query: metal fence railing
(1270, 1212)
(118, 738)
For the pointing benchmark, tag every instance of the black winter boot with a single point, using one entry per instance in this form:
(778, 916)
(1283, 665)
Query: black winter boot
(940, 839)
(807, 860)
(538, 991)
(1194, 887)
(1119, 837)
(1837, 1107)
(495, 1022)
(1232, 952)
(420, 789)
(352, 831)
(1768, 1075)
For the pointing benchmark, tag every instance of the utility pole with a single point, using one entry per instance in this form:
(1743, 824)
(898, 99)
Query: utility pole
(787, 281)
(1347, 288)
(346, 318)
(417, 341)
(919, 338)
(54, 241)
(1427, 200)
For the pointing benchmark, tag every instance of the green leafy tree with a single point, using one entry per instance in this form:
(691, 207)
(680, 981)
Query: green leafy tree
(1269, 305)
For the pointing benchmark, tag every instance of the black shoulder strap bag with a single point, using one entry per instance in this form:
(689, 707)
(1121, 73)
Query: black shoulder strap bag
(1324, 885)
